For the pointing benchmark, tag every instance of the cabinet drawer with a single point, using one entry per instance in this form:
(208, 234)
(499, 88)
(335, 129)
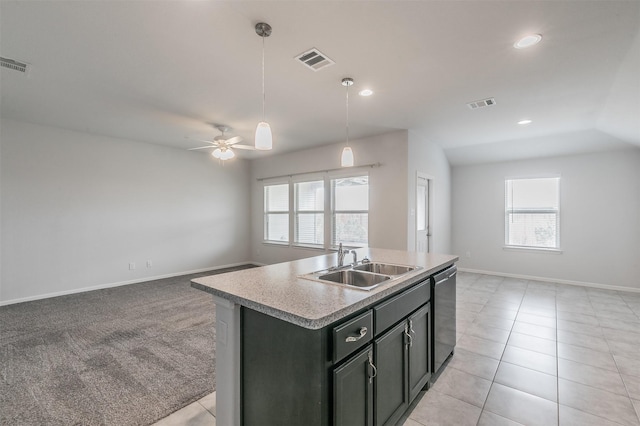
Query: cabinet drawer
(400, 306)
(351, 335)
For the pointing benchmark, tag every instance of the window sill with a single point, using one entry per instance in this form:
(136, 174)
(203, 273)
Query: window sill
(308, 247)
(276, 243)
(533, 249)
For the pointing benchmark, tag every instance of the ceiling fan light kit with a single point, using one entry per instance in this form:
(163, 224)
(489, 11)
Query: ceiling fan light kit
(347, 159)
(223, 153)
(222, 145)
(263, 137)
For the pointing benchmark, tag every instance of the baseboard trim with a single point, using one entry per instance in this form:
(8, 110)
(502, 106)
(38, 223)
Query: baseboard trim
(121, 283)
(553, 280)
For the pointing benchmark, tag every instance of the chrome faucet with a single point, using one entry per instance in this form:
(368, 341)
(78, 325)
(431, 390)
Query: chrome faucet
(341, 254)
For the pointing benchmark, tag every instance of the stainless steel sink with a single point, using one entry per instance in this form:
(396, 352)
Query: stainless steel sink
(355, 278)
(384, 268)
(364, 276)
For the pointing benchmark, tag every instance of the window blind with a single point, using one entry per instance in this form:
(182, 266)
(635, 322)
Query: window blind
(350, 211)
(276, 213)
(532, 212)
(309, 214)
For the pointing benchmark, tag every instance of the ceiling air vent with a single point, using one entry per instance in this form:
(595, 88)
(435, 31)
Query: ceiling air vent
(314, 59)
(482, 103)
(14, 65)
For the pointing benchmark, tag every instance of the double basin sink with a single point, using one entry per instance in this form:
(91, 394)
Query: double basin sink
(363, 276)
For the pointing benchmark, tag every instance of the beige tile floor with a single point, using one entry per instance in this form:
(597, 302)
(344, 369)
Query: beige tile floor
(529, 353)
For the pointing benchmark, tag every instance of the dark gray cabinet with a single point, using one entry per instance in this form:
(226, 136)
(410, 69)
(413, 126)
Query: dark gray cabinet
(353, 390)
(363, 370)
(390, 384)
(419, 354)
(285, 373)
(401, 357)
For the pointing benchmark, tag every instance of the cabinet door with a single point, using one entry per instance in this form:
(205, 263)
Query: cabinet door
(419, 357)
(390, 385)
(353, 390)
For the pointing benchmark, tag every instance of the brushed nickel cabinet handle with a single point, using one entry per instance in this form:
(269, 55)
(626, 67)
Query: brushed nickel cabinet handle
(362, 331)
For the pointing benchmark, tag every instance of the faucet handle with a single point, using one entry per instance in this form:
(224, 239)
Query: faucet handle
(355, 256)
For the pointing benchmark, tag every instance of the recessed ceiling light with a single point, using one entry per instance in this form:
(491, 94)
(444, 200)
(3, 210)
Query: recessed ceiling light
(527, 41)
(365, 92)
(524, 122)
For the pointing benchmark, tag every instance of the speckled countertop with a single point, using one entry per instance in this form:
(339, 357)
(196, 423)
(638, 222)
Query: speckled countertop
(278, 291)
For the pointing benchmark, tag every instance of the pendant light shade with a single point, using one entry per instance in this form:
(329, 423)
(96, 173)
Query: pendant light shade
(263, 139)
(347, 159)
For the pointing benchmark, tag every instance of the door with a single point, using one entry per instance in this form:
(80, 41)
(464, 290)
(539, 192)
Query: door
(419, 360)
(390, 386)
(353, 390)
(423, 213)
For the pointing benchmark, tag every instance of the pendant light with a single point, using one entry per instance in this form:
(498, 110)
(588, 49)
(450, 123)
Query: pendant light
(347, 153)
(263, 139)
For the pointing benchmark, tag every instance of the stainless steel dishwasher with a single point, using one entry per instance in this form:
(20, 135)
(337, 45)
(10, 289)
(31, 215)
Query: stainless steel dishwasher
(443, 304)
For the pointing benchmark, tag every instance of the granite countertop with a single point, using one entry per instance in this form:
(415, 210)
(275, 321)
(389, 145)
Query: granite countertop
(278, 291)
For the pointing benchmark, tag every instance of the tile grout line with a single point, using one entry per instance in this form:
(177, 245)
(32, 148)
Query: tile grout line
(555, 309)
(500, 360)
(586, 385)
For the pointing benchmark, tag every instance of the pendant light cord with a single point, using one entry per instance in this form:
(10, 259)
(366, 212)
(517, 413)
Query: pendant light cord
(264, 96)
(348, 114)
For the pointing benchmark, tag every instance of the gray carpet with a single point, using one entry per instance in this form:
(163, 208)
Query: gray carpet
(128, 355)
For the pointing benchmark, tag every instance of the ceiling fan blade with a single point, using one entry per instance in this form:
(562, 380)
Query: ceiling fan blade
(247, 147)
(233, 140)
(201, 147)
(200, 140)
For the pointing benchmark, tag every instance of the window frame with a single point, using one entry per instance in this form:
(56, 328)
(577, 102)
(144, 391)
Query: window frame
(333, 243)
(294, 239)
(266, 213)
(328, 212)
(510, 210)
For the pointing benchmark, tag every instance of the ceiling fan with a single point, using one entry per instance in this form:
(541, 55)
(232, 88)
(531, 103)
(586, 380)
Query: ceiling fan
(222, 147)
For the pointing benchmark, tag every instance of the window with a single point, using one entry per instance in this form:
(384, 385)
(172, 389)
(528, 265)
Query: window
(276, 213)
(350, 211)
(324, 212)
(309, 213)
(532, 212)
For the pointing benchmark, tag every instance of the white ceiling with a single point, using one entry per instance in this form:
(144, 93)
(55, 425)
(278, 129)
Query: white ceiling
(162, 71)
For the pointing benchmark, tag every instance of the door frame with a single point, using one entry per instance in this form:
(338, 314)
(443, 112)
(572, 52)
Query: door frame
(430, 188)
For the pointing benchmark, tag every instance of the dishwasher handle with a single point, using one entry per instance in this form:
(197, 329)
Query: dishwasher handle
(448, 274)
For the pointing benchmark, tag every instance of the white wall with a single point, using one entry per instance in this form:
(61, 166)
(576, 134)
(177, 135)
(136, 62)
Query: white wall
(619, 116)
(77, 208)
(428, 158)
(387, 191)
(599, 223)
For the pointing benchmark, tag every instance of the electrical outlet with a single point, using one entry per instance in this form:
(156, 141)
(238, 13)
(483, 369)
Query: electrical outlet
(132, 266)
(469, 254)
(149, 264)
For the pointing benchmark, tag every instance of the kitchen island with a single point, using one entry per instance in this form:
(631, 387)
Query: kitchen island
(276, 350)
